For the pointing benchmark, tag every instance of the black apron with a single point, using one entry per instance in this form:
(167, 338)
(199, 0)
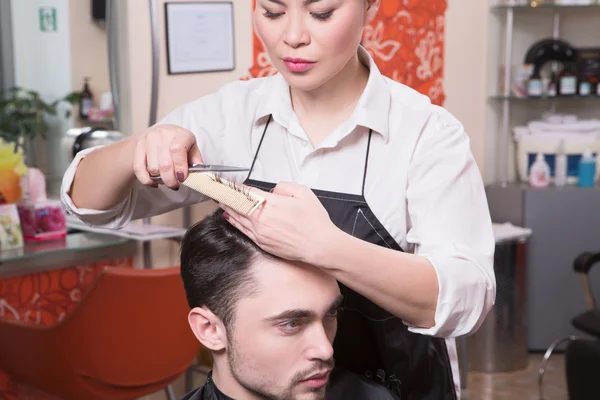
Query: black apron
(370, 341)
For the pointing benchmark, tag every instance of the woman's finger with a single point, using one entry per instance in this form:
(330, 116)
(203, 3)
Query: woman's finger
(165, 163)
(232, 215)
(140, 168)
(194, 155)
(241, 227)
(180, 146)
(151, 149)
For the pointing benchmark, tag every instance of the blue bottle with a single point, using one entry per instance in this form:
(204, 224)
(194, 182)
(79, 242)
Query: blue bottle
(587, 169)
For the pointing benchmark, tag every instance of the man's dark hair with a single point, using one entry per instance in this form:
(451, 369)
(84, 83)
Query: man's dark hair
(215, 266)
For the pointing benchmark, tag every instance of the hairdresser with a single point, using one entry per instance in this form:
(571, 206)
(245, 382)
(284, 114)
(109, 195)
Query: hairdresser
(363, 177)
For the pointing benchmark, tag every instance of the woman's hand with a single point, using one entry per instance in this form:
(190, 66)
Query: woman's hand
(291, 224)
(165, 150)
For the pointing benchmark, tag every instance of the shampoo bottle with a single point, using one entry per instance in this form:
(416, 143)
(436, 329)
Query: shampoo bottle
(560, 165)
(587, 169)
(539, 173)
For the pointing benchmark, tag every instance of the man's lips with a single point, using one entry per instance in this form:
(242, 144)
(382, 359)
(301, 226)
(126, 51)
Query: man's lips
(317, 380)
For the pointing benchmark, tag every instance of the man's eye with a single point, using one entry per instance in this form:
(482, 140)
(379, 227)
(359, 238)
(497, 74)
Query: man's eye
(291, 326)
(322, 16)
(272, 15)
(335, 312)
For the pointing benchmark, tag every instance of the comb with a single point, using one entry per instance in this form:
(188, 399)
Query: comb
(236, 196)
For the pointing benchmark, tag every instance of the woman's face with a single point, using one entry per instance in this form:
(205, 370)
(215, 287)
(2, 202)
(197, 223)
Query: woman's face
(311, 41)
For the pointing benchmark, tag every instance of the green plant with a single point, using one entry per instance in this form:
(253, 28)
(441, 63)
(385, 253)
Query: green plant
(23, 114)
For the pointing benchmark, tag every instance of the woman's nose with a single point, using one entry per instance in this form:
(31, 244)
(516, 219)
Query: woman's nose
(296, 34)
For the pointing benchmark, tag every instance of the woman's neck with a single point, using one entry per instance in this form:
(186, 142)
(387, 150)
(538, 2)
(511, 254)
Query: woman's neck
(321, 110)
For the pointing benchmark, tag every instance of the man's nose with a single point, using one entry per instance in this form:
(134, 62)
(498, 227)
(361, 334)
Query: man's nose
(296, 34)
(320, 347)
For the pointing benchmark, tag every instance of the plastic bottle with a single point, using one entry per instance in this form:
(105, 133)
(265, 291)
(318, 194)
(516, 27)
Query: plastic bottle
(539, 173)
(587, 169)
(560, 165)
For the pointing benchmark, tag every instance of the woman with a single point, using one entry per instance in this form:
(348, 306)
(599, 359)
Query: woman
(375, 185)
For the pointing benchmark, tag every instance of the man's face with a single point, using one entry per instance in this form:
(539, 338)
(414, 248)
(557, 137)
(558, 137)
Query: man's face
(280, 342)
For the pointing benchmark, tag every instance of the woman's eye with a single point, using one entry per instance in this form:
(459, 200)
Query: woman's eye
(272, 15)
(322, 16)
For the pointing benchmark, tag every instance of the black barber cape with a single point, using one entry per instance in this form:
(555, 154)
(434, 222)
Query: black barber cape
(342, 386)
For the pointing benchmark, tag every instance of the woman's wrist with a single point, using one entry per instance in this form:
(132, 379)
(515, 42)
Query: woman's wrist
(324, 253)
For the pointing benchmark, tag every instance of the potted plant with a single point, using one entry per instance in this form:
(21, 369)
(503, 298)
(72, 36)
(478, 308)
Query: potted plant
(23, 116)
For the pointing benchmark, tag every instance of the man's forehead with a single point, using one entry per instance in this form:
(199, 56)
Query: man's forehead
(283, 285)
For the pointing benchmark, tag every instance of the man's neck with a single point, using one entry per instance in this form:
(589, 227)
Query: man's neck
(228, 385)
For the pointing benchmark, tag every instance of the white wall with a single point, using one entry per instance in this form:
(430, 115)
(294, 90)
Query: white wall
(42, 63)
(465, 62)
(88, 49)
(174, 90)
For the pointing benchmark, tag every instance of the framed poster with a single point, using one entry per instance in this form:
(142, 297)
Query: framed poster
(200, 37)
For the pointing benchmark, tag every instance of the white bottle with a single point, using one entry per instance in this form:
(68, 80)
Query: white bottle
(560, 165)
(539, 173)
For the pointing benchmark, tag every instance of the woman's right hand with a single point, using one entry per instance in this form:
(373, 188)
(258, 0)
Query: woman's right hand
(165, 151)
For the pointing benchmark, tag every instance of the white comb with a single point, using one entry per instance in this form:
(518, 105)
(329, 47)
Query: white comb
(238, 197)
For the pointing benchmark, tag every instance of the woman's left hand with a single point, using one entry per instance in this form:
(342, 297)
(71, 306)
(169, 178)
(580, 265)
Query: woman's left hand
(291, 224)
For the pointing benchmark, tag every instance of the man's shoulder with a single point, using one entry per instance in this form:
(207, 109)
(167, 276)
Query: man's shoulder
(347, 385)
(195, 394)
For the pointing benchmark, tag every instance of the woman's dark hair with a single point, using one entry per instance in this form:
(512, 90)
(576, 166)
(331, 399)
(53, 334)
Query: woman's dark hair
(215, 266)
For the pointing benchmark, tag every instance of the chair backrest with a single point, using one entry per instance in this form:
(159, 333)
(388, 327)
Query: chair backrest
(128, 337)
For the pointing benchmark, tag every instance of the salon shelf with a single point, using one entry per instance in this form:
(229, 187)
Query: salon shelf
(546, 6)
(546, 99)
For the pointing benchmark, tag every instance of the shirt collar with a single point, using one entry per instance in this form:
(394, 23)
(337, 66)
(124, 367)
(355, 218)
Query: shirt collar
(372, 108)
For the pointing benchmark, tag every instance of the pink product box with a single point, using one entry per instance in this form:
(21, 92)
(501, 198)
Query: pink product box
(45, 220)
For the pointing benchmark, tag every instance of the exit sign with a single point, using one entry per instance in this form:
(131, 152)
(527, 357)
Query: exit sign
(48, 19)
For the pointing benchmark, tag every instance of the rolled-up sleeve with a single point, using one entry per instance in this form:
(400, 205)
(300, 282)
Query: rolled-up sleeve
(450, 225)
(205, 119)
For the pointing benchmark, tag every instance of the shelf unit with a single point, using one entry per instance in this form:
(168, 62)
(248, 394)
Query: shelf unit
(506, 98)
(535, 5)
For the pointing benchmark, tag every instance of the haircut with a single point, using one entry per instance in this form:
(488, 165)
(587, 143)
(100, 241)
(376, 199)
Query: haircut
(215, 266)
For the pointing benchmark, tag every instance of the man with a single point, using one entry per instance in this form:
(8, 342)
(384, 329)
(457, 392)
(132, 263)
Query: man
(269, 323)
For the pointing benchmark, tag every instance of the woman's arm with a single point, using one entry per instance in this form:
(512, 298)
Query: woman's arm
(109, 186)
(447, 286)
(404, 284)
(104, 177)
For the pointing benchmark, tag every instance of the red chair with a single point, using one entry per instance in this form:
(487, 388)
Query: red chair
(128, 337)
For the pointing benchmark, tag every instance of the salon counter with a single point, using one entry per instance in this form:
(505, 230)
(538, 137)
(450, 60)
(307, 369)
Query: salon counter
(75, 249)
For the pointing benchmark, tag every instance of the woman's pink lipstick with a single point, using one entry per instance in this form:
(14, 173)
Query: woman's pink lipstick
(298, 64)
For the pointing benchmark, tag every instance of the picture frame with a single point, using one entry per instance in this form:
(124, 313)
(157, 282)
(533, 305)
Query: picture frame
(200, 37)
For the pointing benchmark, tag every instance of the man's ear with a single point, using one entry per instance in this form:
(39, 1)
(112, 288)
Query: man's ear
(208, 328)
(372, 9)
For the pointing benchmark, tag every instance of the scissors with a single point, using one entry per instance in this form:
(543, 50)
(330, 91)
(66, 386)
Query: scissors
(206, 168)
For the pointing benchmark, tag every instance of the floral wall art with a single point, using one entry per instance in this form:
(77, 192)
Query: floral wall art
(406, 41)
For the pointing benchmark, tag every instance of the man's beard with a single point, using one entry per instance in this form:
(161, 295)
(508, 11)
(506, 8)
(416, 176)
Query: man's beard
(236, 360)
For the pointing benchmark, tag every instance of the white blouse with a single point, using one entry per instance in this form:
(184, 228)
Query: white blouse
(422, 182)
